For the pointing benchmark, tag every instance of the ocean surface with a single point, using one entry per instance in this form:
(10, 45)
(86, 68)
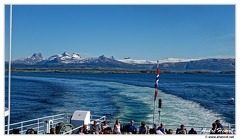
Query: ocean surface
(190, 99)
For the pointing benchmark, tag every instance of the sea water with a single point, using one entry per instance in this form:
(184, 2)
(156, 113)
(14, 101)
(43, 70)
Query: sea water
(190, 99)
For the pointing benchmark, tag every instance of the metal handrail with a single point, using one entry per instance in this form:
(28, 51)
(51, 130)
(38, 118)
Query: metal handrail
(36, 119)
(35, 123)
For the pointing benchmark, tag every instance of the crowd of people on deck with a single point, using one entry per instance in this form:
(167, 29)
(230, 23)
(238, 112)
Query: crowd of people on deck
(104, 128)
(130, 128)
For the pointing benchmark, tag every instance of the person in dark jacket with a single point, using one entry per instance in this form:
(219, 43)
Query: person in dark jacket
(219, 125)
(214, 129)
(192, 131)
(131, 128)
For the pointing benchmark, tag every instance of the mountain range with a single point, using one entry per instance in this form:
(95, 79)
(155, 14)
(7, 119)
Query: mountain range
(75, 61)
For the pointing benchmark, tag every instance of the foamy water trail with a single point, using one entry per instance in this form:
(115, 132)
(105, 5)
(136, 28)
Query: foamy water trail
(128, 102)
(175, 110)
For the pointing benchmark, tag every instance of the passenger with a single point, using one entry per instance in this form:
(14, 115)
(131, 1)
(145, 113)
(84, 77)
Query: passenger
(143, 128)
(106, 129)
(225, 131)
(95, 129)
(117, 127)
(182, 130)
(124, 128)
(83, 129)
(219, 125)
(30, 131)
(170, 131)
(152, 131)
(192, 131)
(214, 129)
(52, 131)
(161, 128)
(132, 128)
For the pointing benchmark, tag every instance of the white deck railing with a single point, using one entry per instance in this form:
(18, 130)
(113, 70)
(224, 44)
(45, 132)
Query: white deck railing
(38, 124)
(203, 129)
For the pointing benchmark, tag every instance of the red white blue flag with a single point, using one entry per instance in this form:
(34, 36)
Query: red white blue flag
(156, 83)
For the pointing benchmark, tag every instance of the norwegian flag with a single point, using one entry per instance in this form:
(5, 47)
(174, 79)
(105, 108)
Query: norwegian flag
(157, 76)
(156, 83)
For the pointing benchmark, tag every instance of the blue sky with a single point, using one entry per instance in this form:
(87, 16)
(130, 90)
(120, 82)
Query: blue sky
(150, 32)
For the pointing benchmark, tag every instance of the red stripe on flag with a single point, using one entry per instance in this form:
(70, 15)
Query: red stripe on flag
(155, 95)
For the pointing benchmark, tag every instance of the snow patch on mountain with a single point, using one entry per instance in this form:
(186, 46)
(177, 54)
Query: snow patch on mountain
(132, 61)
(174, 60)
(166, 60)
(67, 58)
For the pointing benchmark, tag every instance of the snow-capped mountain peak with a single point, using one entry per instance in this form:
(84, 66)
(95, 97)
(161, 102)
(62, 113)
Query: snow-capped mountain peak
(35, 58)
(66, 58)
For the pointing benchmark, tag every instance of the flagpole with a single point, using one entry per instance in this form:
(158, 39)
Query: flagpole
(159, 110)
(156, 92)
(9, 70)
(153, 112)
